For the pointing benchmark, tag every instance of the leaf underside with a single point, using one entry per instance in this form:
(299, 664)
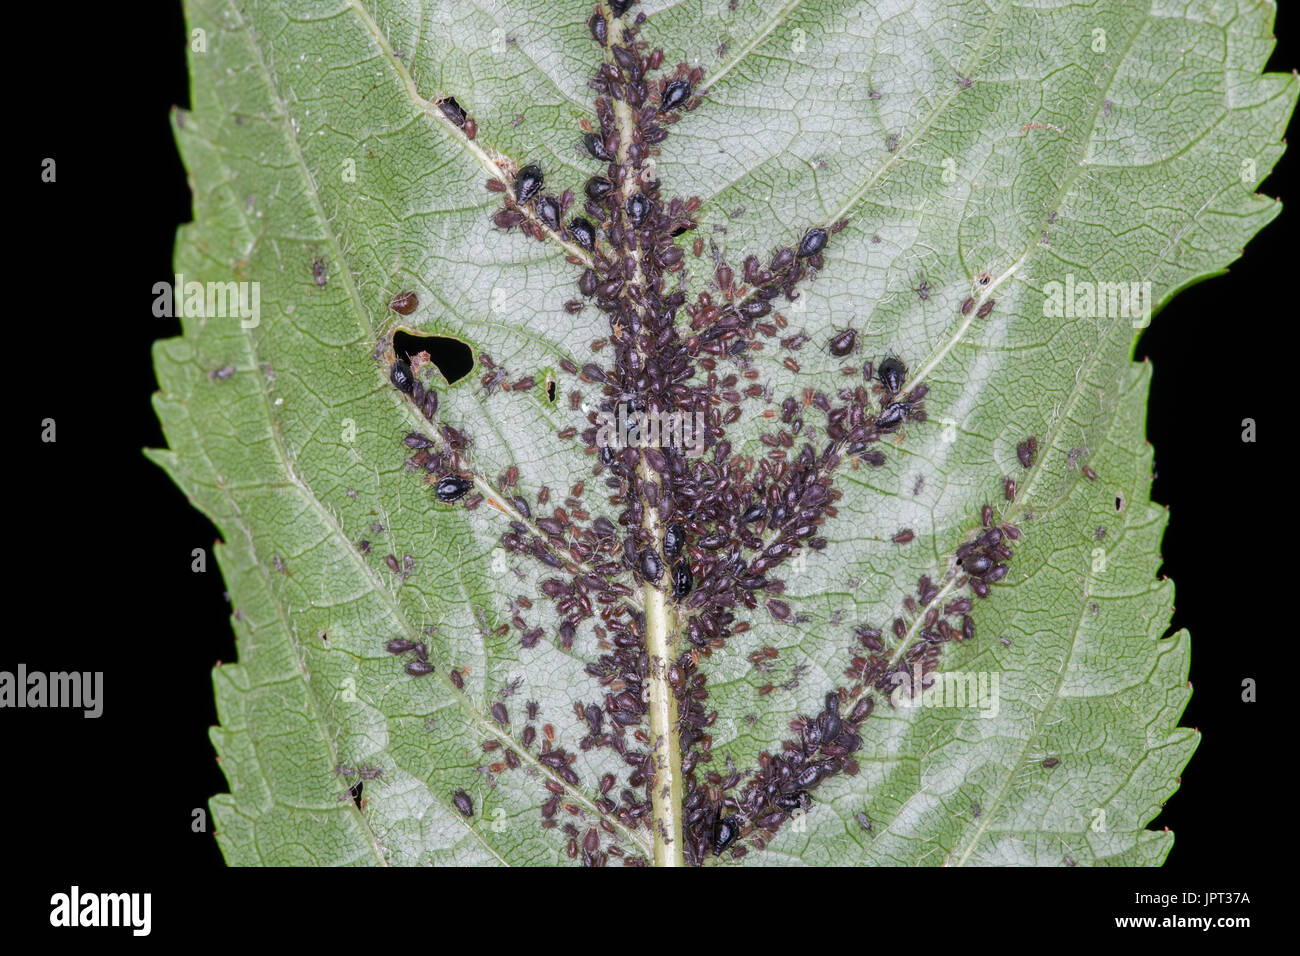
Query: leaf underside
(1103, 142)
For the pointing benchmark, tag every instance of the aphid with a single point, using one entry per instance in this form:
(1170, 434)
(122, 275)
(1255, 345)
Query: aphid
(1026, 451)
(753, 513)
(651, 567)
(675, 94)
(674, 539)
(419, 668)
(453, 487)
(452, 110)
(985, 310)
(638, 207)
(724, 834)
(1050, 762)
(967, 306)
(891, 416)
(904, 537)
(584, 233)
(779, 610)
(399, 646)
(598, 187)
(548, 210)
(404, 303)
(842, 344)
(1089, 473)
(1009, 489)
(463, 803)
(599, 28)
(681, 580)
(471, 128)
(813, 242)
(528, 183)
(892, 373)
(595, 144)
(401, 377)
(620, 7)
(500, 714)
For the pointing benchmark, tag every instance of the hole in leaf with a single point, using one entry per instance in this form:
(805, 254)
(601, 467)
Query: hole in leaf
(550, 389)
(453, 357)
(1119, 501)
(355, 791)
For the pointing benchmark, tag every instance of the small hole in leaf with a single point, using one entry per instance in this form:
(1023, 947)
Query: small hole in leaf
(355, 791)
(550, 389)
(1119, 501)
(453, 357)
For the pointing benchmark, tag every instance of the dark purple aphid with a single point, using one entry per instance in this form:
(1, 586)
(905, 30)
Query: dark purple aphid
(528, 183)
(638, 207)
(725, 834)
(463, 803)
(675, 94)
(401, 377)
(892, 373)
(1026, 451)
(620, 7)
(584, 233)
(419, 668)
(681, 580)
(399, 646)
(842, 344)
(813, 242)
(596, 147)
(753, 513)
(985, 310)
(453, 487)
(500, 714)
(674, 539)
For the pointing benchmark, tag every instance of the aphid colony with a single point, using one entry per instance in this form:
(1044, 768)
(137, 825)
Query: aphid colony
(709, 531)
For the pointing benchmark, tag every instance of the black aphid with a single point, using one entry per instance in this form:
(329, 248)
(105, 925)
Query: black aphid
(651, 567)
(596, 147)
(892, 373)
(638, 207)
(620, 7)
(753, 513)
(681, 580)
(813, 242)
(892, 415)
(725, 834)
(548, 210)
(401, 377)
(528, 183)
(463, 803)
(453, 487)
(452, 110)
(674, 539)
(584, 233)
(675, 94)
(599, 29)
(598, 187)
(419, 668)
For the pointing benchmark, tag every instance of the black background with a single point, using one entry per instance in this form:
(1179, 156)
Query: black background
(101, 578)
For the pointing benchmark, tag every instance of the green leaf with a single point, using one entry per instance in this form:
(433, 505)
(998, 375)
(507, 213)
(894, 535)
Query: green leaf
(1103, 142)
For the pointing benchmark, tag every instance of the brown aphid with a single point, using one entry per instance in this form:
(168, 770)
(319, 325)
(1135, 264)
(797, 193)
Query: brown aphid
(904, 537)
(1009, 489)
(404, 303)
(985, 310)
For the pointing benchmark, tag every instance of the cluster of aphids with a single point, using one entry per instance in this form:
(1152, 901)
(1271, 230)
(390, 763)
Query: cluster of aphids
(444, 465)
(780, 787)
(710, 531)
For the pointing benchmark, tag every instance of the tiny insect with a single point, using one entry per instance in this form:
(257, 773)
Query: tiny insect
(452, 110)
(681, 580)
(404, 303)
(463, 803)
(452, 487)
(1026, 450)
(904, 537)
(401, 377)
(638, 207)
(675, 94)
(584, 233)
(528, 183)
(892, 373)
(813, 242)
(419, 668)
(986, 309)
(725, 834)
(842, 344)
